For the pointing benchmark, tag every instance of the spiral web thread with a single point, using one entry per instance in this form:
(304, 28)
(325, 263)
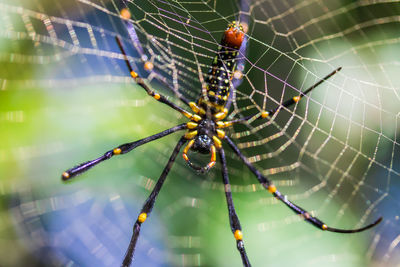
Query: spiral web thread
(337, 146)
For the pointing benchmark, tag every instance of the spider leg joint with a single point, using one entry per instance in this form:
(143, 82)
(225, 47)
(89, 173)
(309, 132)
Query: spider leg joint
(142, 217)
(117, 151)
(238, 235)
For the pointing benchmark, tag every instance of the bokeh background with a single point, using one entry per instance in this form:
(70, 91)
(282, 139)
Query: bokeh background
(66, 97)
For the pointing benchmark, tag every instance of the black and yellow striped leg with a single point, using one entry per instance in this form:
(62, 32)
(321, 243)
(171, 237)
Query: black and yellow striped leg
(296, 99)
(303, 213)
(287, 103)
(122, 149)
(233, 218)
(148, 205)
(148, 90)
(148, 65)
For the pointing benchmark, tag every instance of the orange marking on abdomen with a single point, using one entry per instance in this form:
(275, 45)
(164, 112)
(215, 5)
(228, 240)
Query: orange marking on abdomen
(233, 37)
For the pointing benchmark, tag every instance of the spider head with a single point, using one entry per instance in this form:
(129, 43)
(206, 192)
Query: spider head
(202, 144)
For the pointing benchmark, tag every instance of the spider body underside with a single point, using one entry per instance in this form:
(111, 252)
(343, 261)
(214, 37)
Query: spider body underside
(205, 135)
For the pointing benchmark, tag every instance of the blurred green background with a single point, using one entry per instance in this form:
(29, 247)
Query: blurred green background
(64, 101)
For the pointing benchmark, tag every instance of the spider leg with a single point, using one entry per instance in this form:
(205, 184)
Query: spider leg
(296, 99)
(126, 15)
(148, 90)
(303, 213)
(148, 205)
(122, 149)
(287, 103)
(233, 218)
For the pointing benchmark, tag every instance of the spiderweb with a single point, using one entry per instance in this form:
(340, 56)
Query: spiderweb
(66, 97)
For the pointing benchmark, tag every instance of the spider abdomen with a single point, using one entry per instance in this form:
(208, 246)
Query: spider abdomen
(223, 65)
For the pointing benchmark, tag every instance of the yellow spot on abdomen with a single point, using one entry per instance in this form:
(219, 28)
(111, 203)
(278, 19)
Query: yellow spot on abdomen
(324, 227)
(65, 175)
(296, 99)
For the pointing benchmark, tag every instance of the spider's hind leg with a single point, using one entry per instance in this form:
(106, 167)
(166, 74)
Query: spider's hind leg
(148, 205)
(140, 81)
(233, 218)
(267, 184)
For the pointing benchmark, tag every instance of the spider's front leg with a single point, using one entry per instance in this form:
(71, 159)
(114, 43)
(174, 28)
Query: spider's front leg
(233, 218)
(298, 210)
(147, 64)
(286, 104)
(140, 81)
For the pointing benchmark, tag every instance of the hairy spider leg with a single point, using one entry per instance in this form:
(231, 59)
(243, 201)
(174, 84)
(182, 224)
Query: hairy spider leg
(287, 103)
(149, 203)
(267, 184)
(148, 65)
(233, 218)
(121, 149)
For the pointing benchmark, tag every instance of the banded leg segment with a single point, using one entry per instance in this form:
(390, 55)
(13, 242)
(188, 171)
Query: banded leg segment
(148, 205)
(148, 65)
(296, 99)
(285, 104)
(233, 218)
(298, 210)
(148, 90)
(122, 149)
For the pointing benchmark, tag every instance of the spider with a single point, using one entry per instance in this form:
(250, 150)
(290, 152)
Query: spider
(205, 134)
